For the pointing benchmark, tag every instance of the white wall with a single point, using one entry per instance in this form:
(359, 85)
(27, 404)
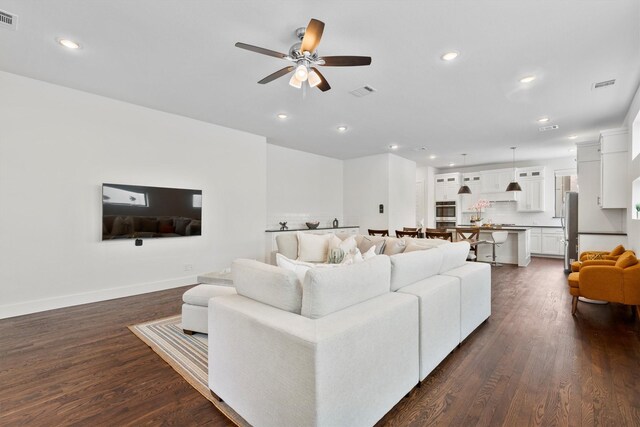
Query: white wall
(632, 122)
(303, 187)
(427, 175)
(56, 149)
(380, 179)
(402, 193)
(366, 185)
(506, 212)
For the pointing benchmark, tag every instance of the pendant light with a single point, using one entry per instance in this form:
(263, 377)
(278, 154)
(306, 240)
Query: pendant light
(513, 185)
(464, 189)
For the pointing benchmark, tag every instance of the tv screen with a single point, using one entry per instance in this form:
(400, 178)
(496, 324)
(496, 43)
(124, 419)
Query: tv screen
(136, 212)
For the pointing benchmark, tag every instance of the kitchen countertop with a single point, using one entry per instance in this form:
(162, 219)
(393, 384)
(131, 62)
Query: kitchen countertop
(505, 228)
(311, 229)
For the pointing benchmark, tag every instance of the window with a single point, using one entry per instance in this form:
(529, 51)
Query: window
(118, 196)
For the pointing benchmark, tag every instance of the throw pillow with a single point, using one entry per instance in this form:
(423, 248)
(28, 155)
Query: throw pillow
(372, 241)
(394, 246)
(627, 259)
(348, 245)
(166, 228)
(300, 268)
(181, 225)
(594, 256)
(313, 247)
(618, 250)
(368, 254)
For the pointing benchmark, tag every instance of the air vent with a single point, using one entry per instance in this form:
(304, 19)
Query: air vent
(605, 83)
(8, 20)
(546, 128)
(363, 91)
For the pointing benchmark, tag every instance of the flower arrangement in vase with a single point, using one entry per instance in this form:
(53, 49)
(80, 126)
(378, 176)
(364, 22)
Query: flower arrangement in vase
(477, 207)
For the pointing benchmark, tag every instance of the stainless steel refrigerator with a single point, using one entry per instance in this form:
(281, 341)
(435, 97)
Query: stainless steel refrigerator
(570, 228)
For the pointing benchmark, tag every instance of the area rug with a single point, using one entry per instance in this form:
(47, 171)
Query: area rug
(186, 354)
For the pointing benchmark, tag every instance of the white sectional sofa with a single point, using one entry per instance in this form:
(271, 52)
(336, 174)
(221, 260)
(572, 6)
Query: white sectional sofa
(343, 347)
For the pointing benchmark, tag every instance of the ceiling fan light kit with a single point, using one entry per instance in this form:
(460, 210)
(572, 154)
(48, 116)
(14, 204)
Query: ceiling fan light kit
(305, 57)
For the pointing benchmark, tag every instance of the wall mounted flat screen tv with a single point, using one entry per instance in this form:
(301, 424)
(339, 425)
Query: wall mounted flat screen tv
(138, 212)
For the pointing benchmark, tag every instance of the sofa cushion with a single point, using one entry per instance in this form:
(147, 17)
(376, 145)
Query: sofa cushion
(329, 290)
(454, 255)
(367, 242)
(288, 245)
(422, 244)
(313, 247)
(268, 284)
(200, 295)
(394, 246)
(408, 268)
(617, 251)
(627, 259)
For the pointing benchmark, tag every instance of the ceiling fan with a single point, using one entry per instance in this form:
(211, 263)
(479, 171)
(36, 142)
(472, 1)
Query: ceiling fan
(305, 58)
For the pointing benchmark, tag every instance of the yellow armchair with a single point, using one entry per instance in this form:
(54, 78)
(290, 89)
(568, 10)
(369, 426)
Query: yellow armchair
(612, 255)
(600, 280)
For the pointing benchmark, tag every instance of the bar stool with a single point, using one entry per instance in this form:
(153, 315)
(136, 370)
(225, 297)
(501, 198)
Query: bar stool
(498, 238)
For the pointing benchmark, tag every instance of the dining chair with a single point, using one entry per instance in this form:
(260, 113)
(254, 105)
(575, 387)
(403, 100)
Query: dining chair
(472, 233)
(373, 232)
(401, 234)
(409, 228)
(444, 235)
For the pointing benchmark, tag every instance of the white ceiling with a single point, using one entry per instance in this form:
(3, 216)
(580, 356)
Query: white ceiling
(179, 56)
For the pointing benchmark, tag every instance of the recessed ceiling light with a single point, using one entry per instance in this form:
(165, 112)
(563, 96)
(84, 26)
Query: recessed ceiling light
(527, 79)
(450, 56)
(70, 44)
(572, 150)
(342, 128)
(282, 116)
(433, 156)
(452, 164)
(573, 137)
(393, 146)
(543, 119)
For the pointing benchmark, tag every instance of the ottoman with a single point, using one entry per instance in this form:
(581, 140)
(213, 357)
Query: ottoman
(195, 306)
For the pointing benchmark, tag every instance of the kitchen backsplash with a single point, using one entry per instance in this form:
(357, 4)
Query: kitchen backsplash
(506, 213)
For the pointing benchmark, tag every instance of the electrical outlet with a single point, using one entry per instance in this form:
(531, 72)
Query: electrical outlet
(188, 267)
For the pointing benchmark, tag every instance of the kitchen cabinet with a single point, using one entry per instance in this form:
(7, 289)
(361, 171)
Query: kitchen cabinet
(532, 196)
(536, 241)
(613, 169)
(493, 184)
(447, 186)
(547, 241)
(474, 182)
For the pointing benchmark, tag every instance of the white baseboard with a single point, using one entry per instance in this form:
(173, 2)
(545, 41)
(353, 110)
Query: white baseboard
(38, 305)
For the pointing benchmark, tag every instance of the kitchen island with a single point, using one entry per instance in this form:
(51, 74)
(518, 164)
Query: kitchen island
(516, 250)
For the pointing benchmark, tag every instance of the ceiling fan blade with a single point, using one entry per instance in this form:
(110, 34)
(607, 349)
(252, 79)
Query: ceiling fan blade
(346, 61)
(277, 74)
(324, 84)
(312, 36)
(260, 50)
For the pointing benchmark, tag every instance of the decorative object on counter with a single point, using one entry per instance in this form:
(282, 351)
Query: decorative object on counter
(335, 223)
(283, 226)
(637, 210)
(476, 219)
(312, 225)
(464, 188)
(336, 256)
(513, 185)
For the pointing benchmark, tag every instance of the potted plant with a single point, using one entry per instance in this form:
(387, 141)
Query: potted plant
(637, 210)
(476, 219)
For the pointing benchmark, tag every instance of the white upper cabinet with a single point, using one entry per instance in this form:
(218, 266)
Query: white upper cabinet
(494, 183)
(613, 169)
(532, 196)
(447, 186)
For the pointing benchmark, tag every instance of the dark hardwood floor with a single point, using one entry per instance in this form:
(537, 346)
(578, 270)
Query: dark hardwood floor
(531, 363)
